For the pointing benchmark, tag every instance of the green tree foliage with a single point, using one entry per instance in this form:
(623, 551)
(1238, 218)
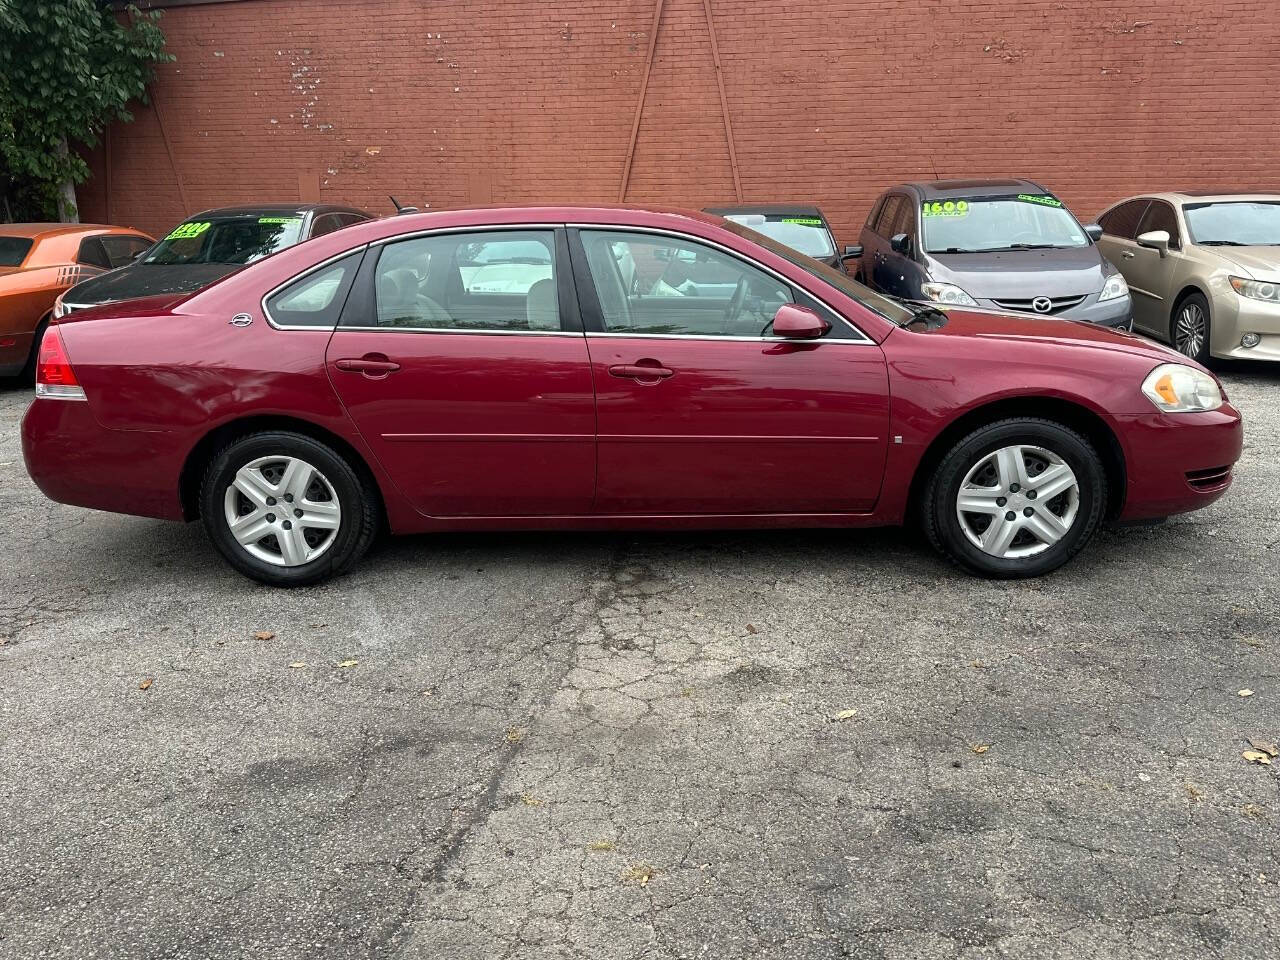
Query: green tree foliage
(67, 69)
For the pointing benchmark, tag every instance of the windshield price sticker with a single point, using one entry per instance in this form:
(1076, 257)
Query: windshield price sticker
(279, 219)
(1043, 200)
(945, 208)
(188, 230)
(807, 221)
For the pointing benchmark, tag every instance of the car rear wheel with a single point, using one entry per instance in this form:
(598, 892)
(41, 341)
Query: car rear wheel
(1016, 498)
(1189, 329)
(286, 509)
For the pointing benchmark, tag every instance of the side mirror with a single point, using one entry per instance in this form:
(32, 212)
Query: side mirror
(900, 243)
(852, 252)
(798, 323)
(1094, 231)
(1155, 240)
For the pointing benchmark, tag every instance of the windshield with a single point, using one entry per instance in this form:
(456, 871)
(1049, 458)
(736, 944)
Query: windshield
(1247, 223)
(809, 235)
(888, 309)
(978, 225)
(226, 240)
(13, 250)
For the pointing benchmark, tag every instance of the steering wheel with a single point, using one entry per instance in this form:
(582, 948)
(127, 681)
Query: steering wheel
(736, 302)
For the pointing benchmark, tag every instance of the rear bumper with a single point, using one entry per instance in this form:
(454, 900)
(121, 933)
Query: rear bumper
(74, 460)
(1178, 462)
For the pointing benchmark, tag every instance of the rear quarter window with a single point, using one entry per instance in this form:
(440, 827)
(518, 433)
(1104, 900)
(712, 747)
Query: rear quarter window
(13, 250)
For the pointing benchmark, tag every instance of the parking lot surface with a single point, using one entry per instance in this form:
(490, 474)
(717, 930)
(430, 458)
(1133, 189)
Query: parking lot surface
(765, 745)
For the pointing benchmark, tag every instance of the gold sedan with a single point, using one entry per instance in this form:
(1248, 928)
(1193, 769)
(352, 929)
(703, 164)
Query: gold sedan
(1203, 270)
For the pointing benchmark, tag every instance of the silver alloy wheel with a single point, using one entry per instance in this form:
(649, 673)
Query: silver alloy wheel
(282, 511)
(1018, 501)
(1191, 330)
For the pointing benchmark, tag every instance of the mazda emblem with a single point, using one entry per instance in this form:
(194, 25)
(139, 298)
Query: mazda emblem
(1041, 304)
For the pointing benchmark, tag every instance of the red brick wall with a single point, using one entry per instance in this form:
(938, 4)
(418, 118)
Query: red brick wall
(459, 102)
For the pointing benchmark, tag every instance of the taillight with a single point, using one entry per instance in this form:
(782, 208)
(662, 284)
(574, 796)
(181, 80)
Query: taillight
(54, 377)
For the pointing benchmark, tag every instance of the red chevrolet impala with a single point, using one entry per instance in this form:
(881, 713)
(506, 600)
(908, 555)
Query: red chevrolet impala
(607, 368)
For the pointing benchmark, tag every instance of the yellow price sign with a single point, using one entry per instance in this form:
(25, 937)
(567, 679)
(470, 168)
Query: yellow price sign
(945, 208)
(186, 231)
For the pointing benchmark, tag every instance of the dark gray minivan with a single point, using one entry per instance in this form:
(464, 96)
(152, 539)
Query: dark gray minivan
(998, 244)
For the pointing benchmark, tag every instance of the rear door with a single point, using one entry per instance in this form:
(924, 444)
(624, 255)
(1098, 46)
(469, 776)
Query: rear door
(474, 394)
(700, 409)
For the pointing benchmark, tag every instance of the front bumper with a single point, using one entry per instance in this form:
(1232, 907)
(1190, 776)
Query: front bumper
(74, 460)
(1116, 313)
(1231, 316)
(1177, 462)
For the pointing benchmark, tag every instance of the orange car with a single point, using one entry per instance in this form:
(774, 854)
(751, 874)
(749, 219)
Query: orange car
(40, 260)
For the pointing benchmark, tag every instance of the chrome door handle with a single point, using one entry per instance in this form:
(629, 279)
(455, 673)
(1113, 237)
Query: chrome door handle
(1128, 254)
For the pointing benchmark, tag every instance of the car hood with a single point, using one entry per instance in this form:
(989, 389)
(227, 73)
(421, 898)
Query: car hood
(146, 280)
(1025, 328)
(1023, 274)
(1260, 263)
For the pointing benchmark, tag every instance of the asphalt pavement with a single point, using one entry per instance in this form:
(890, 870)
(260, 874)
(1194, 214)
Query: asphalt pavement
(744, 745)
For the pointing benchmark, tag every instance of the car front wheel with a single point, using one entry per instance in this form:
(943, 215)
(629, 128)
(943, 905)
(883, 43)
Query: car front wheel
(1017, 498)
(286, 509)
(1189, 332)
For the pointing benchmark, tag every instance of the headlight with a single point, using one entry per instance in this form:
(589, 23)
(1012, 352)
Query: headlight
(1175, 388)
(1114, 287)
(1256, 289)
(948, 293)
(60, 308)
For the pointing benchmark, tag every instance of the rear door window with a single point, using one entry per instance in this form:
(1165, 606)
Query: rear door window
(1122, 221)
(491, 281)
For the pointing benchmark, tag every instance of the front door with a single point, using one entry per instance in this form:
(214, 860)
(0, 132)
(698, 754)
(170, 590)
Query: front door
(1151, 277)
(461, 359)
(700, 410)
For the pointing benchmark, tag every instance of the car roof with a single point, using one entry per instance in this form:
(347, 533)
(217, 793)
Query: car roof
(769, 209)
(941, 189)
(1201, 196)
(278, 209)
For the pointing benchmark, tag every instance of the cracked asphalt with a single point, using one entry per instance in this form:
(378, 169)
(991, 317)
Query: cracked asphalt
(763, 745)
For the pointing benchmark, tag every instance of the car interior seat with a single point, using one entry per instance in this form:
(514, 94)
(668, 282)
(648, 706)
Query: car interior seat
(541, 307)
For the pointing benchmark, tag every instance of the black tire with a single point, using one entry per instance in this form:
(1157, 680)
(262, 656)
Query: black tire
(1194, 302)
(942, 524)
(354, 492)
(28, 374)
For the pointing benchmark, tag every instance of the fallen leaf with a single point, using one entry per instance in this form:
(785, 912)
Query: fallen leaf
(264, 635)
(640, 873)
(978, 665)
(845, 714)
(686, 691)
(1268, 748)
(343, 665)
(601, 846)
(1245, 693)
(1193, 792)
(514, 735)
(981, 748)
(1253, 810)
(529, 800)
(1257, 756)
(146, 684)
(297, 665)
(751, 628)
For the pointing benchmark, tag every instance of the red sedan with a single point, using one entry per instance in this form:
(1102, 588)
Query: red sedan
(607, 368)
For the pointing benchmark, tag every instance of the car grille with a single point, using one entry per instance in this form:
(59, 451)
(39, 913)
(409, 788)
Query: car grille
(1057, 304)
(1210, 479)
